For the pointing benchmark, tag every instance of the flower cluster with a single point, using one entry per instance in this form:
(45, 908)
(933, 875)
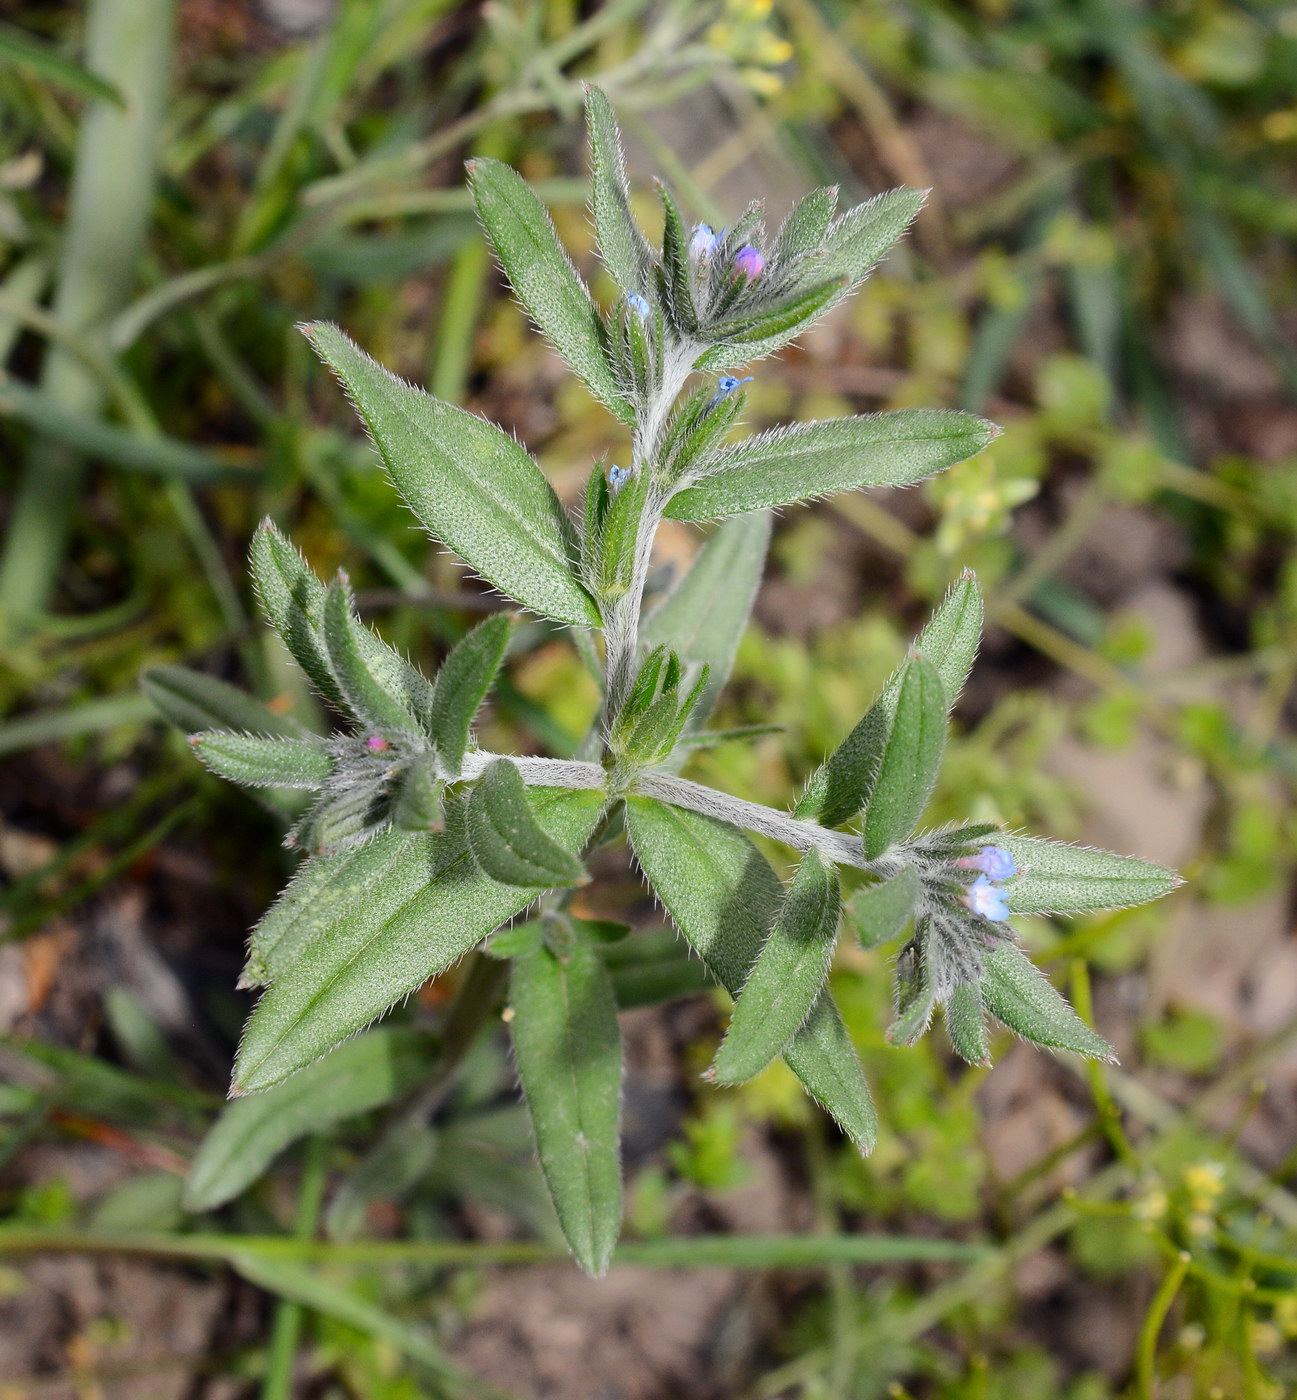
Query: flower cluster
(985, 897)
(744, 35)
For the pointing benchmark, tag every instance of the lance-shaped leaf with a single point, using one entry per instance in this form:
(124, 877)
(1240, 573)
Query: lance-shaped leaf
(966, 1024)
(242, 758)
(417, 801)
(859, 239)
(469, 482)
(676, 279)
(775, 324)
(723, 896)
(506, 839)
(542, 274)
(1018, 993)
(195, 702)
(702, 620)
(622, 245)
(842, 785)
(1054, 878)
(293, 600)
(322, 890)
(615, 549)
(430, 907)
(910, 760)
(365, 699)
(881, 911)
(568, 1048)
(804, 230)
(787, 977)
(462, 684)
(654, 967)
(914, 996)
(807, 460)
(852, 245)
(251, 1132)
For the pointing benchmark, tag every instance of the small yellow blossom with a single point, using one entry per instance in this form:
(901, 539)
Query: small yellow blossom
(1266, 1338)
(1285, 1316)
(1204, 1182)
(762, 81)
(1200, 1225)
(1151, 1205)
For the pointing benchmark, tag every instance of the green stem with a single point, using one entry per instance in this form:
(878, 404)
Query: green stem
(692, 1251)
(1153, 1320)
(129, 45)
(286, 1330)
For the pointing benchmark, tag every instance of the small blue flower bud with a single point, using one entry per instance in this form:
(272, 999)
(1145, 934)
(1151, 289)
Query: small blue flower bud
(702, 243)
(617, 478)
(725, 386)
(749, 262)
(639, 304)
(986, 899)
(993, 861)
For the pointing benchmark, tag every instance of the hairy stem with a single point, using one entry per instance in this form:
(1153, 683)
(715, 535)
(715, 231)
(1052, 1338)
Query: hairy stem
(621, 632)
(840, 847)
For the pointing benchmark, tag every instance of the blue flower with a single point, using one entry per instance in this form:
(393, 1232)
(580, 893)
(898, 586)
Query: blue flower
(987, 899)
(992, 861)
(638, 304)
(725, 386)
(702, 243)
(618, 477)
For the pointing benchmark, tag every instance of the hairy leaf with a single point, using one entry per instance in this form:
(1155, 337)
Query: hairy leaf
(543, 276)
(842, 785)
(366, 700)
(1054, 878)
(654, 967)
(568, 1047)
(914, 996)
(432, 905)
(859, 239)
(469, 482)
(622, 245)
(251, 1132)
(324, 888)
(966, 1025)
(724, 897)
(195, 702)
(911, 758)
(806, 460)
(505, 838)
(1018, 993)
(286, 763)
(881, 911)
(293, 600)
(462, 683)
(703, 619)
(804, 230)
(787, 977)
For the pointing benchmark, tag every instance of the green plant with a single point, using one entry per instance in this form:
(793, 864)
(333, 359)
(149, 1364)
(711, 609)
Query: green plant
(419, 845)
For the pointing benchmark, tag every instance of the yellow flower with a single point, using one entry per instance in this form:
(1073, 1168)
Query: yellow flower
(762, 82)
(1266, 1338)
(1204, 1182)
(770, 49)
(1151, 1205)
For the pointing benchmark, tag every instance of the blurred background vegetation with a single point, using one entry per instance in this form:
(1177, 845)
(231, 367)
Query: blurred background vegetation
(1105, 266)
